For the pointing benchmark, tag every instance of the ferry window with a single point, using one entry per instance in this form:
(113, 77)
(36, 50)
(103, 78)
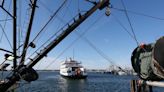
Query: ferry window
(73, 68)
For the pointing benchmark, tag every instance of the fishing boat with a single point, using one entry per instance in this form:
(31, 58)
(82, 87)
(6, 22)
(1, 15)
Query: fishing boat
(25, 39)
(72, 69)
(22, 67)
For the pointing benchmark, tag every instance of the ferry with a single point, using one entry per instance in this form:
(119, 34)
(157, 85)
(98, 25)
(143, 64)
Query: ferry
(72, 69)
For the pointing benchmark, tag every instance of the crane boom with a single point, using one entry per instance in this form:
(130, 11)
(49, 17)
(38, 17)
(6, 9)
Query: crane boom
(66, 32)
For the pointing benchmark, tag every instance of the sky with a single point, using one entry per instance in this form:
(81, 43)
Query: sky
(99, 31)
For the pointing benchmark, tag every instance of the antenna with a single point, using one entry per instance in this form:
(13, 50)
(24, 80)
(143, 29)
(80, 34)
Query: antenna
(73, 53)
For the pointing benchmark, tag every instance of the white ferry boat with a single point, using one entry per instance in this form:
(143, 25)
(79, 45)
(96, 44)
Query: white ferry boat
(72, 69)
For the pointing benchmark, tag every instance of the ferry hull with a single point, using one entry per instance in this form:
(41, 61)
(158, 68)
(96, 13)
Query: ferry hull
(75, 77)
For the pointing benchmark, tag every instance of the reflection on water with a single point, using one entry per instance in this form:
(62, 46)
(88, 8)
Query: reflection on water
(74, 85)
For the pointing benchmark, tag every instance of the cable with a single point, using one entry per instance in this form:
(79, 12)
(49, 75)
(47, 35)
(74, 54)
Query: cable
(69, 9)
(6, 19)
(49, 10)
(3, 20)
(24, 25)
(6, 36)
(51, 17)
(20, 26)
(130, 24)
(73, 42)
(101, 53)
(54, 14)
(141, 14)
(44, 44)
(96, 49)
(78, 6)
(9, 74)
(125, 29)
(59, 30)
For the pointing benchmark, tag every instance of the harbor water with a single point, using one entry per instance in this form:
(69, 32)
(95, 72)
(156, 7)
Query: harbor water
(50, 81)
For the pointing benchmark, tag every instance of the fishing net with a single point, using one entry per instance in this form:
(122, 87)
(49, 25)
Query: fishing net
(148, 60)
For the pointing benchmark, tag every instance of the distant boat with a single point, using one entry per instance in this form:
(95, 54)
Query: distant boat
(72, 69)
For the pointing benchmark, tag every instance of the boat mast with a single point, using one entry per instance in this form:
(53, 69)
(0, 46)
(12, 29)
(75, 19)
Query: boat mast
(14, 34)
(16, 77)
(26, 42)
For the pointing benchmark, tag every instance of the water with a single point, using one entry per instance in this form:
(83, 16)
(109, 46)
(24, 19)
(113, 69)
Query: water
(95, 82)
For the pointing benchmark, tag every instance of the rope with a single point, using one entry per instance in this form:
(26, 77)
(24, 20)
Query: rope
(141, 14)
(45, 6)
(50, 12)
(44, 43)
(3, 20)
(96, 49)
(125, 29)
(20, 26)
(59, 30)
(54, 14)
(24, 26)
(6, 19)
(78, 6)
(134, 35)
(69, 9)
(130, 23)
(6, 36)
(51, 18)
(73, 42)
